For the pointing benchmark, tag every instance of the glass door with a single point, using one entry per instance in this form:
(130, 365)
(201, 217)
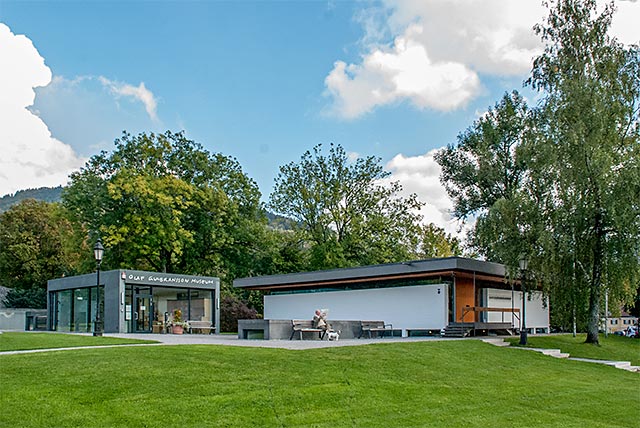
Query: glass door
(143, 313)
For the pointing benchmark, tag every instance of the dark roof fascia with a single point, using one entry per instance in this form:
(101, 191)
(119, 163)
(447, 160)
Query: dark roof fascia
(134, 277)
(411, 268)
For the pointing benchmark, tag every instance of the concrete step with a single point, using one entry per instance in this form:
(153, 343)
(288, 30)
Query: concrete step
(622, 365)
(496, 342)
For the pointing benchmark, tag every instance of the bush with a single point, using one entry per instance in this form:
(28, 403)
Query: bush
(233, 309)
(34, 298)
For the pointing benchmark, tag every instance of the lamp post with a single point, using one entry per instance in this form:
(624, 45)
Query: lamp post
(98, 251)
(524, 263)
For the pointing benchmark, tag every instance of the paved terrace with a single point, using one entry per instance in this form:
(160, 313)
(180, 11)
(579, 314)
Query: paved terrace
(232, 340)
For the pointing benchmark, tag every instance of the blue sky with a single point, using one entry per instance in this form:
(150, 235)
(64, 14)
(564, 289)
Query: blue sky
(262, 81)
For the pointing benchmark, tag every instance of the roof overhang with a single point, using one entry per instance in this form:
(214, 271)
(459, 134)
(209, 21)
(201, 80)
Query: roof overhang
(420, 269)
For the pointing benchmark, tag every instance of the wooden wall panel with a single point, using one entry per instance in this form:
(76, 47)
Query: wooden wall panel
(465, 296)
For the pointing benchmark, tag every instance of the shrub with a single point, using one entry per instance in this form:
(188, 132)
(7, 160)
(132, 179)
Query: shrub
(34, 298)
(233, 309)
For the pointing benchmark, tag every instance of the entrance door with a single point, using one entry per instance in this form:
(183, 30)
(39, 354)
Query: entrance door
(143, 313)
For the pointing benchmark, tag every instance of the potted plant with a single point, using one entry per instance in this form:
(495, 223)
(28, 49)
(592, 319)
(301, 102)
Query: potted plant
(177, 325)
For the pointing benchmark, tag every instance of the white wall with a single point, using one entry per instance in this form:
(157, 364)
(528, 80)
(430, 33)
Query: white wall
(537, 316)
(420, 306)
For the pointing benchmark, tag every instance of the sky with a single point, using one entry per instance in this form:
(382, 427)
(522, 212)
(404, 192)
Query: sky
(262, 81)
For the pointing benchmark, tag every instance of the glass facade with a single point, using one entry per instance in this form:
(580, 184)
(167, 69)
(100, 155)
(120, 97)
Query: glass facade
(75, 310)
(151, 309)
(131, 301)
(147, 309)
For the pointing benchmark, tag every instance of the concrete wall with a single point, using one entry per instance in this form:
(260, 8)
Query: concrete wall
(537, 316)
(418, 307)
(271, 329)
(16, 319)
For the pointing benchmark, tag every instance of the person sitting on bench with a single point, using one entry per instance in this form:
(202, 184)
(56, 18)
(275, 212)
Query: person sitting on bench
(320, 320)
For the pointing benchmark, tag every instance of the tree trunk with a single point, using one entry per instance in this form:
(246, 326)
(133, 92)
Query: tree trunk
(596, 281)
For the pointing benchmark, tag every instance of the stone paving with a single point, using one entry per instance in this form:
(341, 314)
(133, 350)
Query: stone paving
(232, 340)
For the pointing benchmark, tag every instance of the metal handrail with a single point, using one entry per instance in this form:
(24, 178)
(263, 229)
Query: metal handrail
(474, 309)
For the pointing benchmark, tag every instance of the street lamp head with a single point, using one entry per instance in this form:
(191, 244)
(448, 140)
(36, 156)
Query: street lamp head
(524, 263)
(98, 251)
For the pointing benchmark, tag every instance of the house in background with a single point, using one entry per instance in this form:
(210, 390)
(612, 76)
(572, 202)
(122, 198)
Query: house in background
(462, 296)
(621, 323)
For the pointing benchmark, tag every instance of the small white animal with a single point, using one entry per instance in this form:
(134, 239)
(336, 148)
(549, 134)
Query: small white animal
(333, 335)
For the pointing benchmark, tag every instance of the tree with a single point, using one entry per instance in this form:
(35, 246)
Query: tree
(590, 119)
(344, 211)
(37, 243)
(485, 174)
(561, 184)
(435, 242)
(162, 202)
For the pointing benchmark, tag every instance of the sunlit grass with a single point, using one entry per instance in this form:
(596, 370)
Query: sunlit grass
(616, 348)
(14, 341)
(419, 384)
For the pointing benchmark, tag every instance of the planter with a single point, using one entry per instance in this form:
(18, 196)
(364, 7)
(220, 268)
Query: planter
(177, 329)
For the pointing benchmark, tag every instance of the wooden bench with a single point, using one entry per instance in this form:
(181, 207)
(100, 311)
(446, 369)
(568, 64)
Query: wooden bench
(379, 327)
(200, 325)
(304, 326)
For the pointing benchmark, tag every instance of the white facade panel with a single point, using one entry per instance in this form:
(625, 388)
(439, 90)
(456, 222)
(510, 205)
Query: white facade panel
(419, 307)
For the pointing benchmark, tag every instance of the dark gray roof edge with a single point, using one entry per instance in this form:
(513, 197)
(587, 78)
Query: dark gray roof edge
(89, 279)
(415, 266)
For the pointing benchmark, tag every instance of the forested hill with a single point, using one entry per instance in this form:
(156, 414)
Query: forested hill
(54, 194)
(48, 194)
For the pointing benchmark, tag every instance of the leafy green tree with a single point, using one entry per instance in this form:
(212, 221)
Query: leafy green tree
(435, 242)
(590, 121)
(37, 243)
(485, 174)
(162, 202)
(561, 184)
(342, 209)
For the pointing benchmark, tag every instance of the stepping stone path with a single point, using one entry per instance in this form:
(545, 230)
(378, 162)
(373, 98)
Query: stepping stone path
(556, 353)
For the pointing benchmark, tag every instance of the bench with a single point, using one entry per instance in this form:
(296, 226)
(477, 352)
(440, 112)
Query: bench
(200, 325)
(304, 326)
(379, 327)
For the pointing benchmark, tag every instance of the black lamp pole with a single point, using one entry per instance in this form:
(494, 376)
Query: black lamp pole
(98, 251)
(523, 275)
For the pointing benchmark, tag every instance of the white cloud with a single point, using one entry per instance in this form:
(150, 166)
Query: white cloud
(441, 48)
(353, 156)
(625, 22)
(31, 157)
(403, 72)
(420, 175)
(140, 93)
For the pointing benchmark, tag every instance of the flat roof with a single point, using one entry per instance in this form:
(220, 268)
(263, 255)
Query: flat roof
(430, 268)
(136, 277)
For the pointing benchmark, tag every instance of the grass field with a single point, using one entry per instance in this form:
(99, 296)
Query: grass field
(13, 341)
(420, 384)
(611, 348)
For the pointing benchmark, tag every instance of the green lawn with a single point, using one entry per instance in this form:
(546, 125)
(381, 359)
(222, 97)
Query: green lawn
(14, 341)
(611, 348)
(418, 384)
